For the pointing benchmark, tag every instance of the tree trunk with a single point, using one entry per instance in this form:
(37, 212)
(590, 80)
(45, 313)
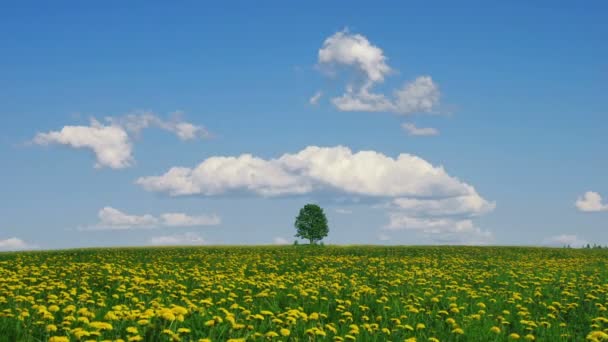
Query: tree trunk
(311, 242)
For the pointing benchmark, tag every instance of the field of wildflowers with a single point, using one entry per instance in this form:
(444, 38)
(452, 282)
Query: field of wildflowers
(301, 293)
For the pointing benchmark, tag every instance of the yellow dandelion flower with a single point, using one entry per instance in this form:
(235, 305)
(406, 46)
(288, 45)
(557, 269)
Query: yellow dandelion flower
(458, 331)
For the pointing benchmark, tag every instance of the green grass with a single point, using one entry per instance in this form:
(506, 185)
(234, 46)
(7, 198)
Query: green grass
(317, 293)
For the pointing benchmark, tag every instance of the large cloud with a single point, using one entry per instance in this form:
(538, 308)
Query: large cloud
(421, 197)
(344, 49)
(111, 142)
(591, 201)
(114, 219)
(337, 169)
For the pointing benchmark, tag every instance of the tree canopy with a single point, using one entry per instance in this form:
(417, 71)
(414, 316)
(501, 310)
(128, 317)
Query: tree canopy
(311, 223)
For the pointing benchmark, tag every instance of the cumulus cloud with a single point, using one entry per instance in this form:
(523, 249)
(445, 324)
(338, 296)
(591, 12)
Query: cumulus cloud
(183, 220)
(444, 220)
(337, 169)
(114, 219)
(565, 240)
(591, 201)
(411, 129)
(420, 95)
(14, 244)
(421, 197)
(471, 204)
(314, 100)
(186, 239)
(446, 230)
(361, 100)
(347, 50)
(111, 141)
(344, 48)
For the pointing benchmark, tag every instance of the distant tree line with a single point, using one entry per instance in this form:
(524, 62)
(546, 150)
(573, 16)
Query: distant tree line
(588, 246)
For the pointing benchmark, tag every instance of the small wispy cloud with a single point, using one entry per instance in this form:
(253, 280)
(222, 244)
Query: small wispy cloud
(411, 129)
(565, 240)
(186, 239)
(314, 100)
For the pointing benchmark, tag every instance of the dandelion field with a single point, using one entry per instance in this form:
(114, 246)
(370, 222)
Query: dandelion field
(305, 294)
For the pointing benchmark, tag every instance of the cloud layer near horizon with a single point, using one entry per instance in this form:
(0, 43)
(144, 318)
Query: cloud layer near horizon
(114, 219)
(14, 244)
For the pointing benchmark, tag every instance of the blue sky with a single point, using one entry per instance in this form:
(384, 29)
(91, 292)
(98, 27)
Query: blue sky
(512, 97)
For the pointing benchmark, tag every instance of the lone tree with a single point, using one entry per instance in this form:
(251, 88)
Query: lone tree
(311, 223)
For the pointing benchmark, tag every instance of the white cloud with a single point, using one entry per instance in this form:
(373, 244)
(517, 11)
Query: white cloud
(565, 240)
(14, 244)
(468, 205)
(411, 129)
(314, 100)
(136, 122)
(183, 220)
(110, 143)
(444, 220)
(344, 49)
(422, 197)
(280, 241)
(446, 230)
(114, 219)
(218, 175)
(187, 239)
(335, 169)
(420, 95)
(591, 201)
(361, 100)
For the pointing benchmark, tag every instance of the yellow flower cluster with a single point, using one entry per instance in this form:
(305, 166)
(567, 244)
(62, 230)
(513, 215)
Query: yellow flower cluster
(300, 293)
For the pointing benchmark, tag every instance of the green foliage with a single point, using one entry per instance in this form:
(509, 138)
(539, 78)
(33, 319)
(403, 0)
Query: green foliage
(305, 293)
(311, 223)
